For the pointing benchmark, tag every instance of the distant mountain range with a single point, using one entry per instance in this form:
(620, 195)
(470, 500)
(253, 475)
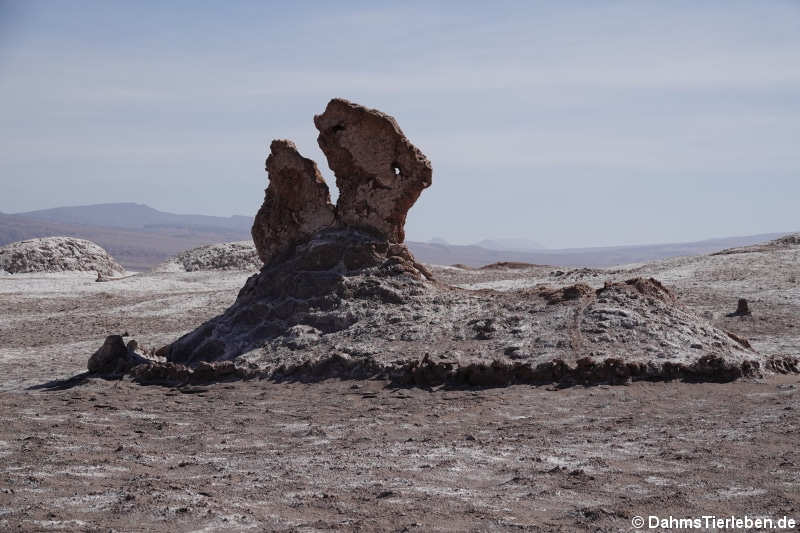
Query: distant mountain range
(140, 237)
(514, 245)
(473, 255)
(137, 216)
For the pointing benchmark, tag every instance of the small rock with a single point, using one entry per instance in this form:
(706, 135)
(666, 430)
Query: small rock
(302, 336)
(742, 308)
(110, 358)
(484, 328)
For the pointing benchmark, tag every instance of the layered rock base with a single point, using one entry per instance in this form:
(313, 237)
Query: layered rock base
(347, 305)
(325, 313)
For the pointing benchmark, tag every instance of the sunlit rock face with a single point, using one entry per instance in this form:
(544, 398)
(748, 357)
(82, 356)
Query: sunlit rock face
(379, 173)
(297, 203)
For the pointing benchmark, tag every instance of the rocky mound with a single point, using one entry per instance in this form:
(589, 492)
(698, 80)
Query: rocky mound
(330, 283)
(57, 254)
(791, 239)
(340, 295)
(785, 242)
(241, 255)
(312, 318)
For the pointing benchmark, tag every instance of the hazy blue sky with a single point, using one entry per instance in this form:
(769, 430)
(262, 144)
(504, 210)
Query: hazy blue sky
(570, 123)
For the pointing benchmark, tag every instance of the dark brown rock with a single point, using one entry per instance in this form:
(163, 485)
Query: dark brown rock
(297, 203)
(114, 358)
(741, 340)
(564, 294)
(650, 287)
(379, 173)
(742, 308)
(108, 357)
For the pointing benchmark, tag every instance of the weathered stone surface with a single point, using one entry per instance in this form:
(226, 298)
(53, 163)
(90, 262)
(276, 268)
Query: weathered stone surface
(297, 203)
(313, 292)
(106, 358)
(57, 254)
(379, 173)
(240, 255)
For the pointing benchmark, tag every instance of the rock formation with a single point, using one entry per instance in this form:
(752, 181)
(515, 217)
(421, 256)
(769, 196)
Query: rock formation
(114, 358)
(239, 255)
(297, 203)
(792, 239)
(379, 173)
(57, 254)
(340, 295)
(319, 259)
(742, 308)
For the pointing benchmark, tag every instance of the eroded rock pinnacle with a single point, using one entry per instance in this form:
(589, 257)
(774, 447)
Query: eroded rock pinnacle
(297, 203)
(379, 173)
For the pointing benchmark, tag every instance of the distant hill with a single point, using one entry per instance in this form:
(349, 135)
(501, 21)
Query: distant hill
(140, 237)
(472, 255)
(136, 216)
(515, 245)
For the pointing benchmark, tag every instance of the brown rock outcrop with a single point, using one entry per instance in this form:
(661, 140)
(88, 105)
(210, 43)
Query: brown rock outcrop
(379, 173)
(297, 203)
(114, 358)
(742, 307)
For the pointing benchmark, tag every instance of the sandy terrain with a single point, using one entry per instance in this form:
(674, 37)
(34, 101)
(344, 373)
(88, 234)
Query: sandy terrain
(91, 454)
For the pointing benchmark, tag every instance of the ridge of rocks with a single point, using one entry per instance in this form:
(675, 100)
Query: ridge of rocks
(786, 242)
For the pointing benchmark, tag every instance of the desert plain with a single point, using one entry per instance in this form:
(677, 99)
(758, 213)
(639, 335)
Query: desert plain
(83, 453)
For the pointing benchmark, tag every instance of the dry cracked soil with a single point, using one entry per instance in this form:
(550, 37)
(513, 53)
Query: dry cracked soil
(89, 454)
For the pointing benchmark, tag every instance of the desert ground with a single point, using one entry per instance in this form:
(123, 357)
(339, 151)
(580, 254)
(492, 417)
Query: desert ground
(91, 454)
